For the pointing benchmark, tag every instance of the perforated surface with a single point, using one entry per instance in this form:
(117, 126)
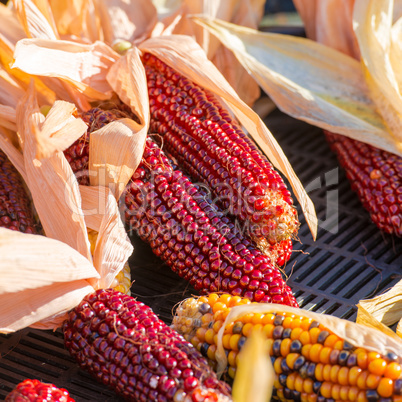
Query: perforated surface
(330, 275)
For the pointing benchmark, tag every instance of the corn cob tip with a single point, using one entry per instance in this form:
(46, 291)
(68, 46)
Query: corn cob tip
(37, 391)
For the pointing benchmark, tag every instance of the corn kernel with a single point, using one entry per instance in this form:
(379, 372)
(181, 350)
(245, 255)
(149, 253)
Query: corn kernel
(234, 340)
(343, 376)
(232, 358)
(393, 371)
(385, 387)
(211, 352)
(326, 389)
(285, 346)
(377, 366)
(209, 336)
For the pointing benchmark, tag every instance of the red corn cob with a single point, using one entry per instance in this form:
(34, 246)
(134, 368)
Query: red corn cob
(37, 391)
(124, 345)
(15, 206)
(376, 176)
(188, 232)
(209, 144)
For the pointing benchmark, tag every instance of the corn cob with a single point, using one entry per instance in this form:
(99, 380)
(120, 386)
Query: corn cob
(37, 391)
(15, 205)
(311, 363)
(189, 233)
(124, 345)
(122, 281)
(376, 176)
(209, 144)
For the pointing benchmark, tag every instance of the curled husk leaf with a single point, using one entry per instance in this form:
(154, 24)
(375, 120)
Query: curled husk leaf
(383, 310)
(356, 334)
(45, 276)
(309, 81)
(184, 55)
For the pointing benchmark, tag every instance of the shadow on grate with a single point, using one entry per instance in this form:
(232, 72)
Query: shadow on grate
(349, 261)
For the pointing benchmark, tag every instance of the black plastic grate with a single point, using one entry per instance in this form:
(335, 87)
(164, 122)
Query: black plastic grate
(330, 275)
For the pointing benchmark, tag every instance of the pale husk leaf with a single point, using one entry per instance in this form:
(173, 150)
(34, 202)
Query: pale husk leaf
(69, 16)
(127, 78)
(115, 151)
(242, 12)
(356, 334)
(56, 262)
(330, 22)
(10, 31)
(113, 247)
(385, 308)
(52, 183)
(254, 374)
(10, 91)
(83, 66)
(184, 55)
(13, 81)
(166, 8)
(33, 21)
(122, 20)
(59, 130)
(372, 26)
(7, 117)
(298, 74)
(48, 305)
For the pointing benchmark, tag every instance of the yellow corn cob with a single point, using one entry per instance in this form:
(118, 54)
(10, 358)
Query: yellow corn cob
(122, 281)
(311, 362)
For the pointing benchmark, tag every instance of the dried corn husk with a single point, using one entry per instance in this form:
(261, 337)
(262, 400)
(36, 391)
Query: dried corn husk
(357, 334)
(242, 12)
(382, 311)
(310, 82)
(254, 375)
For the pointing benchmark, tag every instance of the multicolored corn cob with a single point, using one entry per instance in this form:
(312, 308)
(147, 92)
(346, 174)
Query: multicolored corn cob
(122, 281)
(124, 345)
(15, 206)
(186, 230)
(211, 147)
(37, 391)
(376, 176)
(311, 363)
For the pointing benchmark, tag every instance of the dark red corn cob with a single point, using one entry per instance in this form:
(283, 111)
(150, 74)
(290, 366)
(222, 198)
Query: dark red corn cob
(376, 176)
(209, 144)
(37, 391)
(186, 230)
(124, 345)
(15, 205)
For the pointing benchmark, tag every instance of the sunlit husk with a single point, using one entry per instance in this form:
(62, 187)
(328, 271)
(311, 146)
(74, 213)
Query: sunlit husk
(33, 19)
(40, 277)
(242, 12)
(381, 311)
(358, 335)
(113, 247)
(309, 81)
(51, 181)
(185, 56)
(83, 66)
(254, 375)
(126, 20)
(330, 22)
